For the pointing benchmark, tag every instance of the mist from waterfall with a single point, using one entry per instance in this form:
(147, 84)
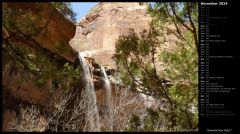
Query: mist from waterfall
(92, 114)
(109, 110)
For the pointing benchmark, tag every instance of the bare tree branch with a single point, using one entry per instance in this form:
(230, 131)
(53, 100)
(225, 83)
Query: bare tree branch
(194, 31)
(180, 20)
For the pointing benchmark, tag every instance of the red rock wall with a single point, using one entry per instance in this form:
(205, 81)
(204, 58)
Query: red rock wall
(98, 31)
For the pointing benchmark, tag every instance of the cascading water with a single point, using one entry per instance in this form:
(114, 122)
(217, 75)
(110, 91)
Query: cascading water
(92, 115)
(109, 111)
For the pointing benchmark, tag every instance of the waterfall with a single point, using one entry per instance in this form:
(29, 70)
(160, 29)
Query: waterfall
(109, 111)
(92, 113)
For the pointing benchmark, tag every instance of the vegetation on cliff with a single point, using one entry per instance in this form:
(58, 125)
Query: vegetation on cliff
(137, 55)
(66, 10)
(22, 51)
(147, 65)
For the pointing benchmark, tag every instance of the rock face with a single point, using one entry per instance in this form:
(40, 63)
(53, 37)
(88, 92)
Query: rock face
(98, 31)
(46, 25)
(57, 31)
(52, 31)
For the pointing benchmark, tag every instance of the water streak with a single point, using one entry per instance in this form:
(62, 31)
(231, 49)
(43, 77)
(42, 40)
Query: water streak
(92, 115)
(109, 111)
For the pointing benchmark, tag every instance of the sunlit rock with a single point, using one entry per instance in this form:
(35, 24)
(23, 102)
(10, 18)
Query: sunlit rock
(97, 32)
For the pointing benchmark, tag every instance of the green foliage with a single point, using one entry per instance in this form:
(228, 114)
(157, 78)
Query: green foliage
(151, 120)
(183, 70)
(161, 121)
(66, 10)
(166, 11)
(19, 20)
(70, 71)
(22, 50)
(41, 65)
(183, 15)
(182, 64)
(134, 123)
(136, 57)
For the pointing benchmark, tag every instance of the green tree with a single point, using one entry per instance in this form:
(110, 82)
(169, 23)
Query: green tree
(22, 52)
(134, 123)
(66, 9)
(181, 14)
(182, 63)
(137, 55)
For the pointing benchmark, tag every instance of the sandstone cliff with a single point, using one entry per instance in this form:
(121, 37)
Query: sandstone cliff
(42, 23)
(96, 34)
(98, 30)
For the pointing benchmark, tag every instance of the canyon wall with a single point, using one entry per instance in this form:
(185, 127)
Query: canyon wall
(43, 25)
(97, 32)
